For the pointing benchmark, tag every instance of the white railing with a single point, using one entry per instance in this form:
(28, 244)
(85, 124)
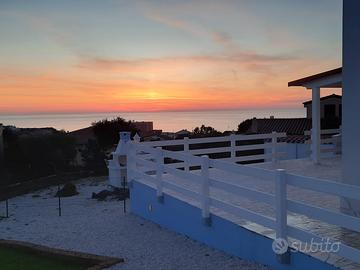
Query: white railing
(146, 163)
(330, 140)
(331, 217)
(233, 148)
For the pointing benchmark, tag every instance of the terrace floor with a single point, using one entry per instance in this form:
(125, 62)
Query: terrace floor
(329, 169)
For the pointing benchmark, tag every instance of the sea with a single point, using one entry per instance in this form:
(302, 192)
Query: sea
(167, 121)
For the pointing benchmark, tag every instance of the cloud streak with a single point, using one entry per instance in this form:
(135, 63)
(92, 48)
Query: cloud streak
(240, 59)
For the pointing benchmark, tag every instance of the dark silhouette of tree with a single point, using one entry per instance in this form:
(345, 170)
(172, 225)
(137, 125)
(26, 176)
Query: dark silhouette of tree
(107, 131)
(244, 126)
(94, 157)
(27, 157)
(205, 131)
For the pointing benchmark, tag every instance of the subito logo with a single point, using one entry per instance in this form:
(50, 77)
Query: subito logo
(280, 246)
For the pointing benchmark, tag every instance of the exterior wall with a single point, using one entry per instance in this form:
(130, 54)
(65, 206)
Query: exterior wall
(351, 95)
(334, 101)
(144, 126)
(224, 235)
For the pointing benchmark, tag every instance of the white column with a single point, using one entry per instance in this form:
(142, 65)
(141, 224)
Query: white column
(315, 132)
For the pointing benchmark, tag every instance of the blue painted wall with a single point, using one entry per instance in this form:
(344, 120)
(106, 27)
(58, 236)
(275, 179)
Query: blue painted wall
(186, 219)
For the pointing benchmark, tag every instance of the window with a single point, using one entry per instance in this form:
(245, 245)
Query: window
(329, 111)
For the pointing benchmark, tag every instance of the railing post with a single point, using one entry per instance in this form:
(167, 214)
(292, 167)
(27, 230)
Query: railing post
(205, 191)
(273, 146)
(186, 151)
(159, 173)
(281, 215)
(131, 162)
(232, 146)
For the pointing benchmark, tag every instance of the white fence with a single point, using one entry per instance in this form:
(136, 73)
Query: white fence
(249, 143)
(330, 140)
(147, 163)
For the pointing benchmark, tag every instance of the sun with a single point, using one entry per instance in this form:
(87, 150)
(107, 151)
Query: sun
(154, 95)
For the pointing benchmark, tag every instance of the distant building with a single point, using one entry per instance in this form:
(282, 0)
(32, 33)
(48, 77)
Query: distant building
(291, 126)
(330, 107)
(296, 128)
(31, 132)
(146, 129)
(182, 134)
(168, 135)
(144, 126)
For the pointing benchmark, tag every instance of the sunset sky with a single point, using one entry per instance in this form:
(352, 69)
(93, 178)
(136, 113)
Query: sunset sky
(109, 55)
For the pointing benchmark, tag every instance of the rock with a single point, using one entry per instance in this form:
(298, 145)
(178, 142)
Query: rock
(117, 193)
(68, 190)
(101, 196)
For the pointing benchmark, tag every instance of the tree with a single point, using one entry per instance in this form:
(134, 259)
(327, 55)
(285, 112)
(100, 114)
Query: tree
(205, 131)
(28, 157)
(107, 131)
(94, 157)
(244, 126)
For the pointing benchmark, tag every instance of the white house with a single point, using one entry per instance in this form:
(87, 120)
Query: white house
(330, 107)
(328, 79)
(346, 78)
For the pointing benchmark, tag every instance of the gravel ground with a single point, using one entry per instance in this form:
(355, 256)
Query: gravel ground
(102, 228)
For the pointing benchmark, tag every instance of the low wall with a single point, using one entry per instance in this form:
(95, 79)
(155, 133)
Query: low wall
(179, 216)
(17, 189)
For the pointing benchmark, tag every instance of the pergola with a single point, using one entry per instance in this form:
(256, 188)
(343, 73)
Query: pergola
(328, 79)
